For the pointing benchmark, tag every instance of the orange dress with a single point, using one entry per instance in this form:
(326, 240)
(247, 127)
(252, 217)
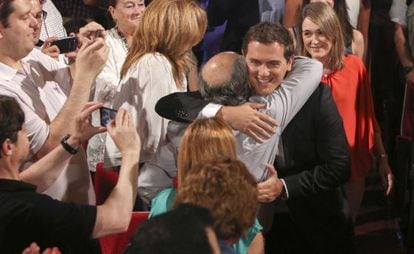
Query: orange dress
(351, 90)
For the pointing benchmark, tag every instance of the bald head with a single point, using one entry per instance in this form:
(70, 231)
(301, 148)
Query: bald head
(223, 79)
(219, 68)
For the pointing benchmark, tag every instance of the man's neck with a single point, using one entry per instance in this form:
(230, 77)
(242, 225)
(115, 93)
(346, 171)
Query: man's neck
(8, 172)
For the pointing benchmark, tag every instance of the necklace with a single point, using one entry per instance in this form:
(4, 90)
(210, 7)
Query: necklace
(123, 39)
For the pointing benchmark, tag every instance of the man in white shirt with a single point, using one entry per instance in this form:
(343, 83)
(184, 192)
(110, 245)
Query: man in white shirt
(48, 92)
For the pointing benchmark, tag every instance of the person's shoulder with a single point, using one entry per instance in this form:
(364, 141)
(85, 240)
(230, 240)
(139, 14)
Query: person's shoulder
(300, 62)
(353, 59)
(162, 202)
(166, 194)
(153, 60)
(154, 57)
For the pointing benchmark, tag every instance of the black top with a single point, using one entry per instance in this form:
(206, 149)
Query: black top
(27, 216)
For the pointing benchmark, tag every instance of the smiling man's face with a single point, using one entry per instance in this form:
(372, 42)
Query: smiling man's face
(267, 66)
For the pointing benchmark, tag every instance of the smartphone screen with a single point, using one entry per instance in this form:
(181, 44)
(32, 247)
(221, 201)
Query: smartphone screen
(107, 114)
(65, 45)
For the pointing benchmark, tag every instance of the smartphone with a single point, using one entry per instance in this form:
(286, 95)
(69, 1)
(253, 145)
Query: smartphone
(98, 34)
(107, 114)
(66, 44)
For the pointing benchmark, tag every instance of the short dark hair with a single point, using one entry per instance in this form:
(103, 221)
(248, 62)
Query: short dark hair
(269, 32)
(234, 91)
(11, 118)
(6, 8)
(179, 231)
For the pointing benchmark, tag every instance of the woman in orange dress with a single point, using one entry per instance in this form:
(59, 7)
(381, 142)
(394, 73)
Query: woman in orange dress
(321, 39)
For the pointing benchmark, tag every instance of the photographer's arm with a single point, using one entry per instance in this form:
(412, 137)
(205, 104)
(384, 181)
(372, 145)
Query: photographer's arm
(44, 172)
(115, 213)
(91, 59)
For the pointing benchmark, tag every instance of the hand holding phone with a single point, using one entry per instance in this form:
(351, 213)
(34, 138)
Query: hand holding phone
(107, 115)
(66, 44)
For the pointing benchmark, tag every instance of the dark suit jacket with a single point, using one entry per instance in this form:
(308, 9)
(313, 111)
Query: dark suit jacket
(316, 157)
(240, 16)
(316, 166)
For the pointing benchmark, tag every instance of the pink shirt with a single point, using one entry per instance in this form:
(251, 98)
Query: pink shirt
(41, 88)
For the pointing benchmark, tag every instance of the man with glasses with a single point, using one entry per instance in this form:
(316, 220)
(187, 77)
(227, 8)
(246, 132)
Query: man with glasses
(45, 46)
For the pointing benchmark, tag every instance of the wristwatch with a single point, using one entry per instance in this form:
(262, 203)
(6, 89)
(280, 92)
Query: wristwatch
(64, 142)
(407, 69)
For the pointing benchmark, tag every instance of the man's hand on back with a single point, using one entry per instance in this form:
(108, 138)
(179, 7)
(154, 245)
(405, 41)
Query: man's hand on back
(248, 120)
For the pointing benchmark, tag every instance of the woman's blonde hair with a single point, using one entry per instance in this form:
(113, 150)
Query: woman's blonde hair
(169, 27)
(203, 140)
(325, 17)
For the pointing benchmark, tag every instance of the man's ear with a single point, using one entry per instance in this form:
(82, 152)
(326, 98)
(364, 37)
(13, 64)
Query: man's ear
(2, 28)
(111, 10)
(6, 147)
(1, 31)
(290, 63)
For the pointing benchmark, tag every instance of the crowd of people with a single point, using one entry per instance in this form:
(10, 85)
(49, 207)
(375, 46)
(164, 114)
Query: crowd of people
(262, 148)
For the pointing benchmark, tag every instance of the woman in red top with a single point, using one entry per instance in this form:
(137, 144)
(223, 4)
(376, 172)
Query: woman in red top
(346, 76)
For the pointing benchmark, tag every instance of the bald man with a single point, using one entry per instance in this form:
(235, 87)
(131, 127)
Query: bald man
(223, 76)
(224, 81)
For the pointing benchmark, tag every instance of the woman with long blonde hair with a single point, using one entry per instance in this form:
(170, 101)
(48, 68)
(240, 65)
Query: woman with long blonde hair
(156, 65)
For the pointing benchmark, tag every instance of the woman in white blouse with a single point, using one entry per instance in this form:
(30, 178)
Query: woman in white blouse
(126, 15)
(156, 65)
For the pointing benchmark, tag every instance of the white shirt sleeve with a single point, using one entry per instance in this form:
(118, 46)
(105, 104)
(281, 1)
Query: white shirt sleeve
(209, 111)
(398, 12)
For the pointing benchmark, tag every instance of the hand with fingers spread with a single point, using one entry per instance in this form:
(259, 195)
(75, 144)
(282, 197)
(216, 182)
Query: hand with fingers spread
(124, 134)
(248, 120)
(271, 188)
(51, 50)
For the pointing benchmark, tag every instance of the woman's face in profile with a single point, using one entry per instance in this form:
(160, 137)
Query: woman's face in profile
(316, 43)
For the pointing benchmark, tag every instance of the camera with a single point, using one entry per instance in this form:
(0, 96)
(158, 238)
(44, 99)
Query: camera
(107, 115)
